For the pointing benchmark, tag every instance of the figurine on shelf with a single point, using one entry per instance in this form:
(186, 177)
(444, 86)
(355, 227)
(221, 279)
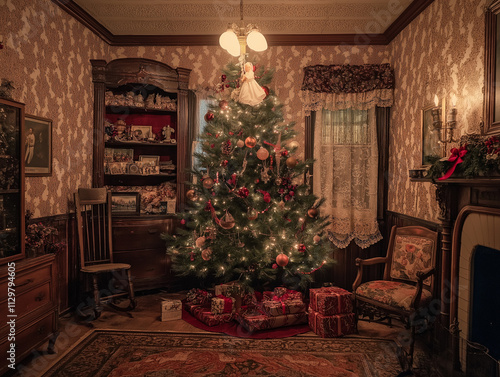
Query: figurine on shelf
(167, 133)
(251, 93)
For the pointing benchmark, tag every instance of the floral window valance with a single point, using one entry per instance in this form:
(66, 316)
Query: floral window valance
(339, 87)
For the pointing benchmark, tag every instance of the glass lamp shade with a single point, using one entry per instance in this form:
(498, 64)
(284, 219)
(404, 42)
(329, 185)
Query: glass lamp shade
(234, 49)
(228, 40)
(256, 41)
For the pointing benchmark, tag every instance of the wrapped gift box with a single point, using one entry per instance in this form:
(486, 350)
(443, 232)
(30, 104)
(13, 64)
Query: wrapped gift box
(280, 294)
(203, 314)
(331, 326)
(275, 308)
(171, 310)
(330, 300)
(198, 296)
(254, 319)
(228, 289)
(222, 304)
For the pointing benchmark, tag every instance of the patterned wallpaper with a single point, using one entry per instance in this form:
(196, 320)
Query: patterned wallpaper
(47, 56)
(441, 52)
(46, 53)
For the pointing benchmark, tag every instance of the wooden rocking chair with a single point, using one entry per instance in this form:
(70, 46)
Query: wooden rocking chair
(93, 218)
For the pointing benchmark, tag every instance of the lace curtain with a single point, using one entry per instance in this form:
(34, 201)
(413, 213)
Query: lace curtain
(345, 174)
(345, 145)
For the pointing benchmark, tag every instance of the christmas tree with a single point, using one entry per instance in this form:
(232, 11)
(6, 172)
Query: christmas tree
(251, 215)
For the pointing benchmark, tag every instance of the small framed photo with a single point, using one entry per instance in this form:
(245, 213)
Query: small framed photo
(123, 154)
(142, 132)
(431, 148)
(115, 168)
(153, 160)
(38, 146)
(125, 203)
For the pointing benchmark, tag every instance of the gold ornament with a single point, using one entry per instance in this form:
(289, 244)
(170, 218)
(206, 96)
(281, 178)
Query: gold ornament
(316, 238)
(291, 162)
(252, 214)
(227, 222)
(206, 254)
(282, 260)
(250, 142)
(262, 154)
(312, 212)
(240, 143)
(293, 145)
(191, 195)
(200, 241)
(208, 183)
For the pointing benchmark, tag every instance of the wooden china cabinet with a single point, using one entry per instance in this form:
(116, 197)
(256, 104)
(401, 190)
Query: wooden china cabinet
(141, 114)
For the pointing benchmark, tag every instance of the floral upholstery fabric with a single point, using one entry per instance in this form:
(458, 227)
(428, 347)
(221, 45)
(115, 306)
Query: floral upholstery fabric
(411, 254)
(392, 293)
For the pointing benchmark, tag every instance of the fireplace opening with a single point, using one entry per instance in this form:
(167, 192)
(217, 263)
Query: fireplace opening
(485, 297)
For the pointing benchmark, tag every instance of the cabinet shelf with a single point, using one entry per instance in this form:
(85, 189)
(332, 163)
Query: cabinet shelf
(125, 144)
(138, 179)
(138, 110)
(11, 191)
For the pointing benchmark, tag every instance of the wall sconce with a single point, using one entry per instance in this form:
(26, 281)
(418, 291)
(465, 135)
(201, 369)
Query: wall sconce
(445, 122)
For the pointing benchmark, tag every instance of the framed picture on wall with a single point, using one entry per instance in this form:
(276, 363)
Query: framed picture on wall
(431, 148)
(125, 203)
(37, 146)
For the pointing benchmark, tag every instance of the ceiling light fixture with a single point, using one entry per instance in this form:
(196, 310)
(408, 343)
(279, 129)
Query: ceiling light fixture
(235, 39)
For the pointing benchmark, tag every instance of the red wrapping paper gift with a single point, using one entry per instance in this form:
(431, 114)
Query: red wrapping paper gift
(274, 308)
(331, 326)
(254, 319)
(281, 294)
(203, 314)
(330, 300)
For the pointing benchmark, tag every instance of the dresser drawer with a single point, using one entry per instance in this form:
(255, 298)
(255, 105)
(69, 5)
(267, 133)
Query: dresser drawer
(30, 337)
(25, 281)
(30, 301)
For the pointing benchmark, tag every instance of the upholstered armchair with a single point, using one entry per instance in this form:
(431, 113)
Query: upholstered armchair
(407, 284)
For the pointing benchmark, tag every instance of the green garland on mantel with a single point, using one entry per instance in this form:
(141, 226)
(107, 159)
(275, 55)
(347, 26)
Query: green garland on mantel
(476, 156)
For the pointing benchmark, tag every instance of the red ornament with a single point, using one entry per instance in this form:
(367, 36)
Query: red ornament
(243, 192)
(209, 116)
(224, 105)
(302, 248)
(206, 254)
(284, 153)
(266, 90)
(223, 78)
(282, 260)
(275, 266)
(183, 221)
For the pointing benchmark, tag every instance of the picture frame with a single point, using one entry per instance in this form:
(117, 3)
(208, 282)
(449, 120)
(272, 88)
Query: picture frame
(150, 159)
(37, 146)
(431, 148)
(146, 132)
(125, 203)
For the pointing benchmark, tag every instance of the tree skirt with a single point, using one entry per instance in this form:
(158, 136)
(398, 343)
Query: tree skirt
(140, 353)
(233, 328)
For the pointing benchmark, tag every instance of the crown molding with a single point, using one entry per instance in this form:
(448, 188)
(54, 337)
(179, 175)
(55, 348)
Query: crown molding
(408, 15)
(405, 18)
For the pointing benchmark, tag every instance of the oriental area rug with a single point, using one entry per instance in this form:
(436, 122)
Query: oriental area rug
(139, 353)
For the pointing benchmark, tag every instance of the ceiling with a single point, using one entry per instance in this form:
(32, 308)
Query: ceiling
(178, 17)
(283, 22)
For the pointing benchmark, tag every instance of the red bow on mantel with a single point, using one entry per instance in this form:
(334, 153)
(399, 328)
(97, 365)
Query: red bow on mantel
(456, 156)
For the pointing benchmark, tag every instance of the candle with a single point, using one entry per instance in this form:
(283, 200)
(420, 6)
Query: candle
(436, 100)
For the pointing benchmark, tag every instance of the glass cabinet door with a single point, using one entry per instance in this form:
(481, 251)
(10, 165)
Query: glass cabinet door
(11, 180)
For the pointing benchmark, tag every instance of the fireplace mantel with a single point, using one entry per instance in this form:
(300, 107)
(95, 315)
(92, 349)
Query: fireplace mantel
(452, 195)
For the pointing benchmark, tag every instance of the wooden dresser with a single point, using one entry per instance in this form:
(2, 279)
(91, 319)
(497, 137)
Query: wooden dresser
(35, 307)
(137, 241)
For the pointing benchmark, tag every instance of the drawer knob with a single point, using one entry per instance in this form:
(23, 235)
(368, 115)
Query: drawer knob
(40, 296)
(131, 232)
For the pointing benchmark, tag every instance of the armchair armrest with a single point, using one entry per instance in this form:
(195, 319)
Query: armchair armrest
(421, 276)
(365, 262)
